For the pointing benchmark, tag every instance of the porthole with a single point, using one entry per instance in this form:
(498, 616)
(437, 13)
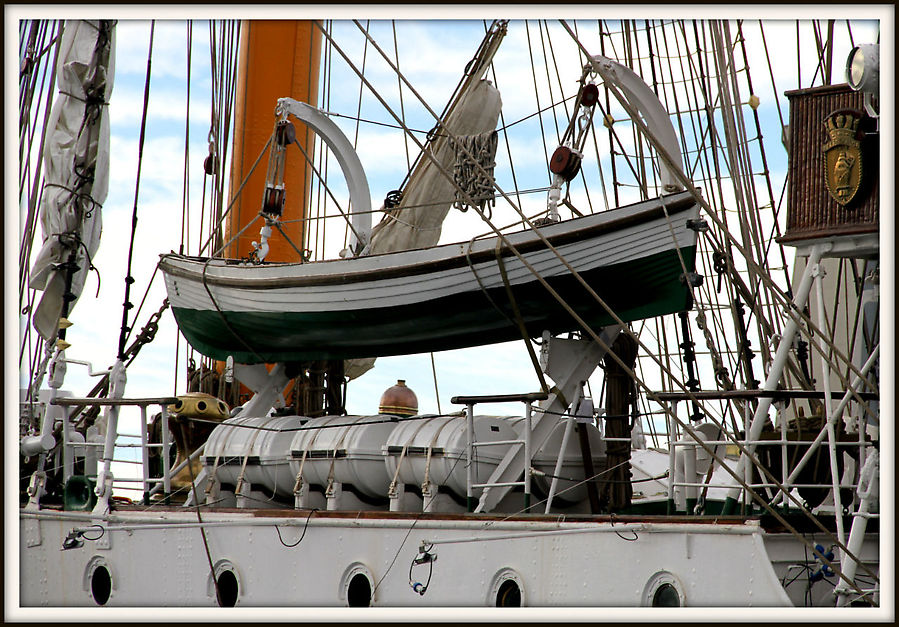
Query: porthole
(98, 580)
(508, 595)
(357, 586)
(666, 596)
(663, 590)
(506, 590)
(226, 589)
(358, 593)
(101, 585)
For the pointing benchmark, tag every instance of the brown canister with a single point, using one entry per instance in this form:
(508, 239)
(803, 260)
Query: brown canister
(398, 400)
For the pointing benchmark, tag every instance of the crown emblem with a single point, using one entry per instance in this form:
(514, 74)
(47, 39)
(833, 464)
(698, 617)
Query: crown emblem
(842, 129)
(842, 155)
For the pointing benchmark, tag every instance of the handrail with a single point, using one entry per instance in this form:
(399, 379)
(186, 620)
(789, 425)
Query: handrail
(110, 445)
(470, 402)
(722, 395)
(500, 398)
(113, 402)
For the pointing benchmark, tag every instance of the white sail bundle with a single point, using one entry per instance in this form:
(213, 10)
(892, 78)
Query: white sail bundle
(76, 166)
(416, 222)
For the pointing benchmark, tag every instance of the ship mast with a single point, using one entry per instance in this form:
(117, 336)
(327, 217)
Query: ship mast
(277, 59)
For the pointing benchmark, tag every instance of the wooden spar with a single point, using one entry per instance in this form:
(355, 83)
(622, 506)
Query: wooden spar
(277, 59)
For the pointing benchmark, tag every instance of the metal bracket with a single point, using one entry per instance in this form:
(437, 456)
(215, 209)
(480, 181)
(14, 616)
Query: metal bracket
(32, 532)
(568, 362)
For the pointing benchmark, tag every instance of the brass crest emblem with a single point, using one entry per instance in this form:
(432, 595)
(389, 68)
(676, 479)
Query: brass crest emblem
(842, 155)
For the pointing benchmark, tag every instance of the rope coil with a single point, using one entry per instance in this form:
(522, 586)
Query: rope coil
(475, 158)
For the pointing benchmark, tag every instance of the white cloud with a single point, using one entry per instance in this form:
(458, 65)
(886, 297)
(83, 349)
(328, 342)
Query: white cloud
(166, 104)
(169, 58)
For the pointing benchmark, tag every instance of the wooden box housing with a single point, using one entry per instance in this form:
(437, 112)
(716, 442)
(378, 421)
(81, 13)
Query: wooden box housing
(812, 212)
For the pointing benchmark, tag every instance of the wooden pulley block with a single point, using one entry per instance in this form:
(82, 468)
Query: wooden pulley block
(589, 95)
(285, 133)
(565, 162)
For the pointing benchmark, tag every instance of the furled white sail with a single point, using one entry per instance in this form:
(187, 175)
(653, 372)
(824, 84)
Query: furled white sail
(427, 199)
(416, 222)
(76, 165)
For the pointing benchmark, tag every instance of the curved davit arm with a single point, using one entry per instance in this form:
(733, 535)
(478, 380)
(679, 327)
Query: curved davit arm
(642, 98)
(357, 183)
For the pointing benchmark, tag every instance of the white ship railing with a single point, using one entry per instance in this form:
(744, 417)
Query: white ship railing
(683, 449)
(148, 483)
(525, 440)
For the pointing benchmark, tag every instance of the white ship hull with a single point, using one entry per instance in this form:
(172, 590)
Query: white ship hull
(160, 560)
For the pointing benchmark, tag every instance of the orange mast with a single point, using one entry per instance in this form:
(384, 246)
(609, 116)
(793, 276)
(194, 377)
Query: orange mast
(277, 59)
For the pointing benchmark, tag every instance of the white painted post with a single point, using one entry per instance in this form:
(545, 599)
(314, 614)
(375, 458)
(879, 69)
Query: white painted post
(117, 380)
(831, 433)
(856, 383)
(569, 426)
(68, 462)
(780, 359)
(868, 486)
(784, 464)
(527, 456)
(145, 453)
(469, 469)
(691, 492)
(747, 468)
(166, 448)
(43, 442)
(672, 455)
(428, 497)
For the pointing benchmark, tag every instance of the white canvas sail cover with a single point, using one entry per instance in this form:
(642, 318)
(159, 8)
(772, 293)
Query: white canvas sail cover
(76, 165)
(429, 194)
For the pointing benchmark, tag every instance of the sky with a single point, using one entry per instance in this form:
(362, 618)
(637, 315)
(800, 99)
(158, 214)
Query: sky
(433, 70)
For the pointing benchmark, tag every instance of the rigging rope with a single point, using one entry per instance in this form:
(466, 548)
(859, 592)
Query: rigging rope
(784, 298)
(432, 112)
(323, 179)
(527, 31)
(396, 54)
(504, 128)
(540, 279)
(311, 243)
(519, 322)
(185, 181)
(234, 197)
(140, 155)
